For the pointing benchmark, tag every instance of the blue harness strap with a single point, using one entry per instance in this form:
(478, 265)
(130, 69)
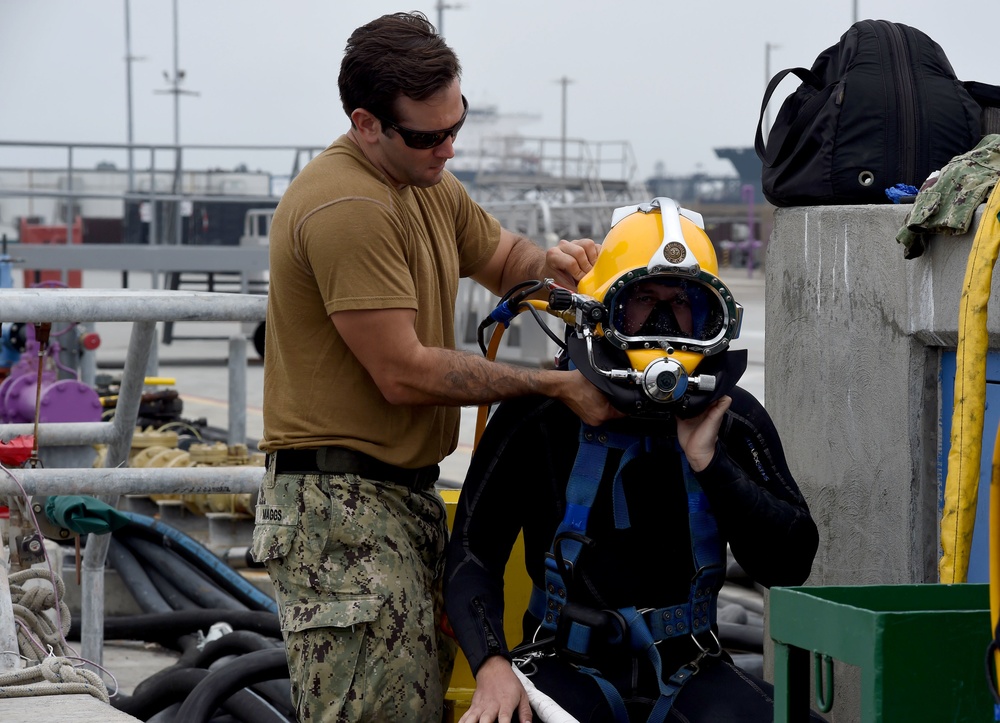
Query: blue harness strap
(611, 694)
(643, 629)
(706, 554)
(581, 491)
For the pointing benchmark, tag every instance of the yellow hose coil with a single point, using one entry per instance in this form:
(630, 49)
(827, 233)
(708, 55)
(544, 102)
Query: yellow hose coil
(962, 483)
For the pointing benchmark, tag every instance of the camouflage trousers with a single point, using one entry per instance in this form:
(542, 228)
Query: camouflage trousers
(357, 568)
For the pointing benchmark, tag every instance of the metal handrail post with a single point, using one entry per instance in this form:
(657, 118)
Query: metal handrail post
(88, 359)
(547, 228)
(237, 390)
(69, 199)
(179, 203)
(130, 392)
(96, 551)
(92, 600)
(9, 659)
(153, 225)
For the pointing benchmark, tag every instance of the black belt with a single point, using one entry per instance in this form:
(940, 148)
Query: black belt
(339, 460)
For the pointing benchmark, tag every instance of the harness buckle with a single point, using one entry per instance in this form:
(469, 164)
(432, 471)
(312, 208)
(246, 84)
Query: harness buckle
(564, 566)
(585, 634)
(704, 652)
(704, 569)
(526, 662)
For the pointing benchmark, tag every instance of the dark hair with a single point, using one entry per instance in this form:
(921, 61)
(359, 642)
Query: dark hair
(398, 54)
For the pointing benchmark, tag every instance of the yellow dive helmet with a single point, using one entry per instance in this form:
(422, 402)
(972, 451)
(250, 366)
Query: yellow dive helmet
(661, 314)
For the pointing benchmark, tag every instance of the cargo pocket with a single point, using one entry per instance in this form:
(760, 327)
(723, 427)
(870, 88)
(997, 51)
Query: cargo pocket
(343, 611)
(272, 540)
(334, 640)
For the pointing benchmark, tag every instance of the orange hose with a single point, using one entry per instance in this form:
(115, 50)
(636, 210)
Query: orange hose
(491, 354)
(484, 409)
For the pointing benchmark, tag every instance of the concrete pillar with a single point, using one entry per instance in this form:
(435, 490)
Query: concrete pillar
(854, 339)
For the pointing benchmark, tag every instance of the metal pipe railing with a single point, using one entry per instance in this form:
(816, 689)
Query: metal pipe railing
(144, 309)
(133, 481)
(62, 434)
(81, 305)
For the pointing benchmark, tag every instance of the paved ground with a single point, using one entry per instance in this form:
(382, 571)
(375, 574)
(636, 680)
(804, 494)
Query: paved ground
(201, 376)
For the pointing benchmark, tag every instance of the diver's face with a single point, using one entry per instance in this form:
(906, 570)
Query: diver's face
(649, 297)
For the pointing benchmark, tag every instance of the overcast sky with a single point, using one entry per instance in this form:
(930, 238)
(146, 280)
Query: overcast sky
(674, 79)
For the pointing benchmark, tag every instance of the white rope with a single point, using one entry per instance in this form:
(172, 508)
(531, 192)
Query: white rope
(52, 676)
(38, 635)
(547, 710)
(42, 642)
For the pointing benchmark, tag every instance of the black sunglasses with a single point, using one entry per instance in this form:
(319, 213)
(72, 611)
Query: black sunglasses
(424, 140)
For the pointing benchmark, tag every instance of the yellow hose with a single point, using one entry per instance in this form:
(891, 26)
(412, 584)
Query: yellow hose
(962, 483)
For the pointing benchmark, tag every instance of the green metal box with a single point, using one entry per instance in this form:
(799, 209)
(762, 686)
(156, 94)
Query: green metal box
(921, 649)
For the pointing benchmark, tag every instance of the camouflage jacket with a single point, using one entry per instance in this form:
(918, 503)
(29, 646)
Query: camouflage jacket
(947, 201)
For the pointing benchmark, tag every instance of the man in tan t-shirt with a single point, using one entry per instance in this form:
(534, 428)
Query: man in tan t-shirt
(363, 384)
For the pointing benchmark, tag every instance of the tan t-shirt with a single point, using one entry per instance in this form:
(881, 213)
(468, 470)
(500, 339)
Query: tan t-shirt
(343, 238)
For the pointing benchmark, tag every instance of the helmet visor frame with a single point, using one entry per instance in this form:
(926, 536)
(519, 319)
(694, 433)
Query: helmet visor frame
(686, 312)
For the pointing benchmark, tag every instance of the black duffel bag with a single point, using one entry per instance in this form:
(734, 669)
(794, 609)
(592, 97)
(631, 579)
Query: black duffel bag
(881, 107)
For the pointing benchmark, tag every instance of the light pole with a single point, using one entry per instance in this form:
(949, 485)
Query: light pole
(768, 47)
(175, 87)
(128, 96)
(564, 81)
(441, 7)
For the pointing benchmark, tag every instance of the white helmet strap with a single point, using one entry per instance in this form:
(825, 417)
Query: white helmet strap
(673, 254)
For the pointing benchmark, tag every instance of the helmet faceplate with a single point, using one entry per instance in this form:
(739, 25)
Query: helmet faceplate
(667, 309)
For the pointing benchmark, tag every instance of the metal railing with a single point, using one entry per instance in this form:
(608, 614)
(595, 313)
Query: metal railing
(79, 173)
(144, 309)
(543, 221)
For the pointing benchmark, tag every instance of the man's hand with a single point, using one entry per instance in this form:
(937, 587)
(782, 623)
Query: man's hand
(499, 695)
(587, 401)
(569, 261)
(698, 435)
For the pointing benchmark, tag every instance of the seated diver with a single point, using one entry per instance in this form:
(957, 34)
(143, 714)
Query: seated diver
(625, 526)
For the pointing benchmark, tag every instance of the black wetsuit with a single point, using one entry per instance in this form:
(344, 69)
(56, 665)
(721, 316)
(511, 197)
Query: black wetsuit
(517, 480)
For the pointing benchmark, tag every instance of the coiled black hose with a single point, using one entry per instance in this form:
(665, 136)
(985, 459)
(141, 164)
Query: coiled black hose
(239, 642)
(136, 580)
(178, 685)
(174, 597)
(277, 692)
(182, 593)
(248, 669)
(189, 580)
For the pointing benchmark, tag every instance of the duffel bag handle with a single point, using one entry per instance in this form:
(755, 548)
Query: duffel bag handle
(777, 140)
